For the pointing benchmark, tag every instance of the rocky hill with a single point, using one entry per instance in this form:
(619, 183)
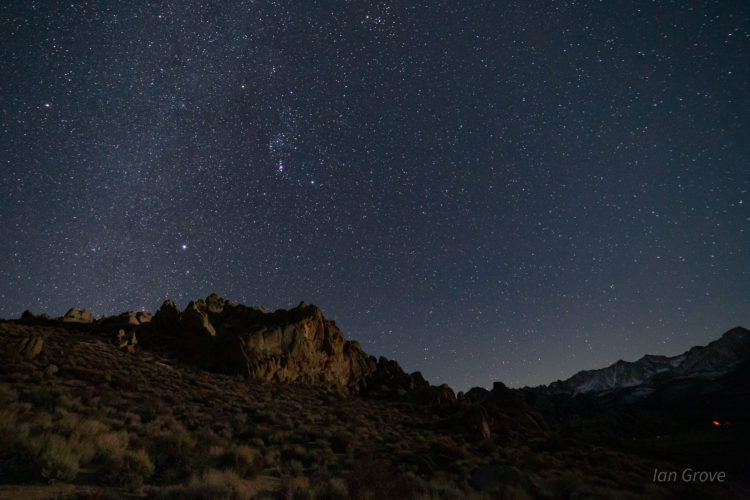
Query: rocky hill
(296, 345)
(228, 401)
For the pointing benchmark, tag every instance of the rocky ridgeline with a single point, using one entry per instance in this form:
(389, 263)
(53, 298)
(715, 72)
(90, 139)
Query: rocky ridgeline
(296, 345)
(300, 345)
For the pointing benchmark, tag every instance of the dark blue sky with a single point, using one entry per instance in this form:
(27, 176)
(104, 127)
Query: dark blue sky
(480, 191)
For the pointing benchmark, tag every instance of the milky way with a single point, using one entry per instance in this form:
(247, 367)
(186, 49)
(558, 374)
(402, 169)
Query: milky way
(481, 191)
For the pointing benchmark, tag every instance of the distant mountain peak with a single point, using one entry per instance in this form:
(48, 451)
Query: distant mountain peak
(710, 361)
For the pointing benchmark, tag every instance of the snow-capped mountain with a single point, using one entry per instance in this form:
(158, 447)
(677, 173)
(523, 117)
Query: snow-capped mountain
(704, 362)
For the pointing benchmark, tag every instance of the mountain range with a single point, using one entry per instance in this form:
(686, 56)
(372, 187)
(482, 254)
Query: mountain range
(642, 377)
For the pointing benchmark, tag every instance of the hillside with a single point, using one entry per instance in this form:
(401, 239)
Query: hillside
(228, 401)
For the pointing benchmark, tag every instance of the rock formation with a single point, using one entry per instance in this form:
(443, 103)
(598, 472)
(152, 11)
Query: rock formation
(125, 320)
(30, 347)
(78, 316)
(284, 346)
(296, 345)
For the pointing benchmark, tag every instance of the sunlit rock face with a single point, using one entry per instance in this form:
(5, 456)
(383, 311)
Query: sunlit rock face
(78, 316)
(285, 345)
(295, 345)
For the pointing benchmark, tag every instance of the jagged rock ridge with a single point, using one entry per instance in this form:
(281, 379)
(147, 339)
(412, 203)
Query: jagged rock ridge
(286, 346)
(296, 345)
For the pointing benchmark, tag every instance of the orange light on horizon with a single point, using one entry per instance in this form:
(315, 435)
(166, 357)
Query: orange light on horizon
(715, 422)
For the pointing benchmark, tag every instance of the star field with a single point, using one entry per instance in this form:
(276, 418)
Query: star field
(480, 191)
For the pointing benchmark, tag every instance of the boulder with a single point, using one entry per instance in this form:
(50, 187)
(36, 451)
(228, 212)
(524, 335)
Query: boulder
(126, 341)
(30, 347)
(444, 397)
(30, 318)
(143, 317)
(216, 304)
(194, 320)
(167, 317)
(474, 423)
(125, 320)
(78, 316)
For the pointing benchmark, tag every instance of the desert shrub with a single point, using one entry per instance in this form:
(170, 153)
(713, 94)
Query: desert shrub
(132, 469)
(211, 485)
(111, 443)
(174, 456)
(68, 402)
(41, 423)
(239, 421)
(297, 452)
(294, 467)
(295, 487)
(440, 488)
(149, 410)
(423, 464)
(448, 448)
(333, 489)
(206, 438)
(323, 455)
(58, 458)
(285, 422)
(247, 462)
(18, 451)
(8, 395)
(131, 419)
(341, 441)
(118, 464)
(278, 436)
(217, 450)
(372, 478)
(161, 424)
(65, 422)
(272, 456)
(91, 427)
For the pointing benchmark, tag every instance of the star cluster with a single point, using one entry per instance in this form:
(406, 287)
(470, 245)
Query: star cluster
(482, 191)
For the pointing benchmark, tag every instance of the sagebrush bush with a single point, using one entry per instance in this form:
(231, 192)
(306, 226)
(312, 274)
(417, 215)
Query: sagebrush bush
(333, 489)
(212, 484)
(175, 456)
(8, 394)
(295, 487)
(58, 458)
(135, 468)
(247, 462)
(341, 441)
(18, 451)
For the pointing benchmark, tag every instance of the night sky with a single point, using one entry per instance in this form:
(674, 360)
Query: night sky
(480, 191)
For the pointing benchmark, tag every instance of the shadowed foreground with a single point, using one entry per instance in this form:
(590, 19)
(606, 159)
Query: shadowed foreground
(92, 410)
